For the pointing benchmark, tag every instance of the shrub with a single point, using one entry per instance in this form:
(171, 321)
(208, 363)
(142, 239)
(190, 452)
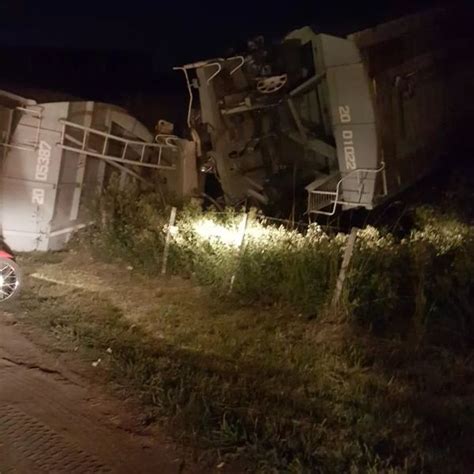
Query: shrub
(441, 251)
(406, 286)
(375, 286)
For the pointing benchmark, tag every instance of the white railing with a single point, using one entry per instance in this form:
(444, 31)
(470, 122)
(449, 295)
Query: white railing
(320, 199)
(30, 145)
(132, 152)
(217, 63)
(168, 140)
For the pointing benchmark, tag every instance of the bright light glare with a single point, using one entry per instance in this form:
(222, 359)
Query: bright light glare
(173, 230)
(209, 230)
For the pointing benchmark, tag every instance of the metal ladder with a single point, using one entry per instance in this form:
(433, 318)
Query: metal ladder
(124, 151)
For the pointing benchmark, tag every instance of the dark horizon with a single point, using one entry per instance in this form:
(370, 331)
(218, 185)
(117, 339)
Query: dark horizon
(181, 32)
(122, 55)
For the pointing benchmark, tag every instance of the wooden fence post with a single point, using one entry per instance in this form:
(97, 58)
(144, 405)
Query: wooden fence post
(345, 265)
(241, 249)
(168, 240)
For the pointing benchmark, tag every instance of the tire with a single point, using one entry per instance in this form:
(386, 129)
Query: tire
(10, 279)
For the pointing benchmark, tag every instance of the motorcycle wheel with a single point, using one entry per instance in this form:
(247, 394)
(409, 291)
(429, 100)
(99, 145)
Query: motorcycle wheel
(10, 279)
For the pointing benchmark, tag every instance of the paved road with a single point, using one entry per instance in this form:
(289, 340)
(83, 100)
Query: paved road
(52, 421)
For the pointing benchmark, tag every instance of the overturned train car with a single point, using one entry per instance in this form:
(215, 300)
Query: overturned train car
(310, 125)
(57, 156)
(344, 122)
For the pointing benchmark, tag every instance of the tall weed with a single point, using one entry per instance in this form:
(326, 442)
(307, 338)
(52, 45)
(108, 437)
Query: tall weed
(403, 287)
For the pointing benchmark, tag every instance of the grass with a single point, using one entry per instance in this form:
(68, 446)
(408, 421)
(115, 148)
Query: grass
(414, 284)
(270, 374)
(276, 389)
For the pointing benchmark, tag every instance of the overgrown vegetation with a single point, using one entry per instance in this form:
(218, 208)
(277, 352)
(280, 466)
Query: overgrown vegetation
(420, 287)
(270, 373)
(394, 284)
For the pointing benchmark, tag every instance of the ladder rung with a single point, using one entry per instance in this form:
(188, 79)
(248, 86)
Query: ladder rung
(117, 159)
(128, 145)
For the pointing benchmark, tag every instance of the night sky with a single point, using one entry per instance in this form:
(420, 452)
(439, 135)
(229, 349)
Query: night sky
(107, 49)
(181, 29)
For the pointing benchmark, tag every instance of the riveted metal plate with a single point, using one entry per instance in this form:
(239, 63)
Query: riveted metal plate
(33, 442)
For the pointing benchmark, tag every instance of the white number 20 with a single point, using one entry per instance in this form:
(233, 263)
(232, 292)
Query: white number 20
(345, 113)
(38, 196)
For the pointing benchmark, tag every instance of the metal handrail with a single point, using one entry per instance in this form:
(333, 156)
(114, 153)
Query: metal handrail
(219, 69)
(212, 62)
(31, 111)
(198, 64)
(167, 138)
(94, 131)
(338, 187)
(236, 68)
(190, 92)
(26, 110)
(81, 146)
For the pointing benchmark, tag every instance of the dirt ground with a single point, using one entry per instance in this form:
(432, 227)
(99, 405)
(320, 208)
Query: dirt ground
(237, 388)
(54, 421)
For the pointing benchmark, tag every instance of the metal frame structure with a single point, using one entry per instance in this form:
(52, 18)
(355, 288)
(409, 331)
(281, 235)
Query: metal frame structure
(345, 111)
(55, 160)
(319, 199)
(27, 110)
(205, 64)
(141, 149)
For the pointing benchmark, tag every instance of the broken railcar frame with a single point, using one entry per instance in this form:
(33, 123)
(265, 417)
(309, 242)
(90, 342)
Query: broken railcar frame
(351, 120)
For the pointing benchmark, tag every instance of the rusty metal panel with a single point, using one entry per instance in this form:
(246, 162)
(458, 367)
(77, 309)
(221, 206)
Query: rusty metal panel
(423, 71)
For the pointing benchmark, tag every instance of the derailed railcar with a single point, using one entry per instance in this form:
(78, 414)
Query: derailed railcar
(352, 120)
(422, 74)
(55, 157)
